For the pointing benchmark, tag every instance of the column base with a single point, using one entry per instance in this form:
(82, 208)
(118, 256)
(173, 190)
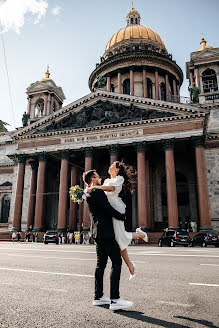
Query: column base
(16, 229)
(61, 229)
(86, 229)
(202, 229)
(173, 228)
(37, 229)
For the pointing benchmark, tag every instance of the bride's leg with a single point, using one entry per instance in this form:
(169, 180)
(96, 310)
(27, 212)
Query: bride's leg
(128, 262)
(136, 235)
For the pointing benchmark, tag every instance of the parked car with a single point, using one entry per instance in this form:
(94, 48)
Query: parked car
(204, 239)
(51, 237)
(173, 238)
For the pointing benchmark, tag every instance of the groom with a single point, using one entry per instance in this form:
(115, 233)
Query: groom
(106, 246)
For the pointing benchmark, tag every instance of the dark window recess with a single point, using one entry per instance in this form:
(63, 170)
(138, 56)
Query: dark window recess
(149, 88)
(209, 80)
(126, 87)
(162, 91)
(5, 209)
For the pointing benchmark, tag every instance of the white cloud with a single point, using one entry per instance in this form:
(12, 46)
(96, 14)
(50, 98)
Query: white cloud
(12, 13)
(56, 10)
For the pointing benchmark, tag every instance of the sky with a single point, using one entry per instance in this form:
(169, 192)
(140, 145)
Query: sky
(70, 36)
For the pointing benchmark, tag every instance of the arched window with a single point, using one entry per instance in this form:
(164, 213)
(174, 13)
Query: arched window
(131, 20)
(162, 91)
(209, 80)
(136, 20)
(39, 107)
(5, 209)
(54, 109)
(126, 87)
(149, 88)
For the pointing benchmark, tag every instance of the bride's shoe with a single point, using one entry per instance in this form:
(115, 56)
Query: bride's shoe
(132, 276)
(146, 235)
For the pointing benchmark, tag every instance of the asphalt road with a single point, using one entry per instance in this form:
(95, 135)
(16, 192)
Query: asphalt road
(52, 286)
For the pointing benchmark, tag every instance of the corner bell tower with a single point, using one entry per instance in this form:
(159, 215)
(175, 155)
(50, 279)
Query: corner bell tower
(44, 98)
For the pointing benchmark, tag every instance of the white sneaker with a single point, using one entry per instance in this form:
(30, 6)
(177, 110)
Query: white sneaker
(120, 304)
(132, 276)
(146, 235)
(102, 301)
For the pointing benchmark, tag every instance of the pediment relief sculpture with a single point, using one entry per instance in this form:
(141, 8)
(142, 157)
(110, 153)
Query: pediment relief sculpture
(104, 113)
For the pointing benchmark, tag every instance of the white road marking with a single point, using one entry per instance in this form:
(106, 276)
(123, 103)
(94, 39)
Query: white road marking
(199, 284)
(46, 272)
(51, 257)
(130, 253)
(211, 264)
(46, 250)
(178, 255)
(59, 258)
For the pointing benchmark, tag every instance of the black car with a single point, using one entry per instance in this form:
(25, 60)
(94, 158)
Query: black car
(204, 239)
(51, 237)
(173, 238)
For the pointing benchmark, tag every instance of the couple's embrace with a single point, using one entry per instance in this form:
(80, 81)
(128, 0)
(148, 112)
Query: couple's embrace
(107, 217)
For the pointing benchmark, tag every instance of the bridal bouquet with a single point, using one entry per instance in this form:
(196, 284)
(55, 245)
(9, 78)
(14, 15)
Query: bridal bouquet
(77, 194)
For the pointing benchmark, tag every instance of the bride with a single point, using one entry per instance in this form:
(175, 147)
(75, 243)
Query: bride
(121, 177)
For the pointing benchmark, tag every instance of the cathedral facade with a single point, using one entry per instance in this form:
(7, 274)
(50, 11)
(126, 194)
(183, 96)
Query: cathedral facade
(134, 113)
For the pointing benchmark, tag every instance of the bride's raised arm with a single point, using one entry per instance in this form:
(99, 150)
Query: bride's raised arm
(104, 188)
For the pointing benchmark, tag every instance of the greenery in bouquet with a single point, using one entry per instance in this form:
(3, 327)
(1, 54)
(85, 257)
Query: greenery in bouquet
(77, 194)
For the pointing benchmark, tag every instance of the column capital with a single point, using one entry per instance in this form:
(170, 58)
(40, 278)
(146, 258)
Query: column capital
(88, 151)
(30, 96)
(65, 153)
(144, 67)
(140, 146)
(168, 144)
(132, 68)
(114, 149)
(42, 156)
(21, 158)
(198, 141)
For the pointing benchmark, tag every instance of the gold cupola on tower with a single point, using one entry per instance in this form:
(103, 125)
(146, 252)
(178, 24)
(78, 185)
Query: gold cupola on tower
(47, 74)
(203, 45)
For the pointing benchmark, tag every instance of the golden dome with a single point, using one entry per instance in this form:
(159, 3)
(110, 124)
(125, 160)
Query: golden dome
(132, 32)
(203, 45)
(47, 76)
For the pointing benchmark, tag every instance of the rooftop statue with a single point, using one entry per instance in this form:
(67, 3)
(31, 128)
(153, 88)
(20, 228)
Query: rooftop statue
(194, 92)
(101, 81)
(25, 119)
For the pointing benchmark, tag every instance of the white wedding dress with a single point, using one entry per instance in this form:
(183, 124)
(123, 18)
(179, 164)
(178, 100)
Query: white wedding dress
(122, 237)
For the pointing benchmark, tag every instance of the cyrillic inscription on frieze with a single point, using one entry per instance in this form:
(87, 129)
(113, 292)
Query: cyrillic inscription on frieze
(105, 136)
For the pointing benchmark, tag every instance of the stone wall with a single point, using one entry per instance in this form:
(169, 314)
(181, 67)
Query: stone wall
(212, 168)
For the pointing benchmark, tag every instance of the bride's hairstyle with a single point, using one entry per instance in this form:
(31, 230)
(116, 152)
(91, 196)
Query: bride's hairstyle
(129, 175)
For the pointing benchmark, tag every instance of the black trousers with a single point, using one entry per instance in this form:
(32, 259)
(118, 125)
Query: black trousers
(105, 249)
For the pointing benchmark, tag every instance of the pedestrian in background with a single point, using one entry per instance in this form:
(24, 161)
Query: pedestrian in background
(13, 236)
(18, 237)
